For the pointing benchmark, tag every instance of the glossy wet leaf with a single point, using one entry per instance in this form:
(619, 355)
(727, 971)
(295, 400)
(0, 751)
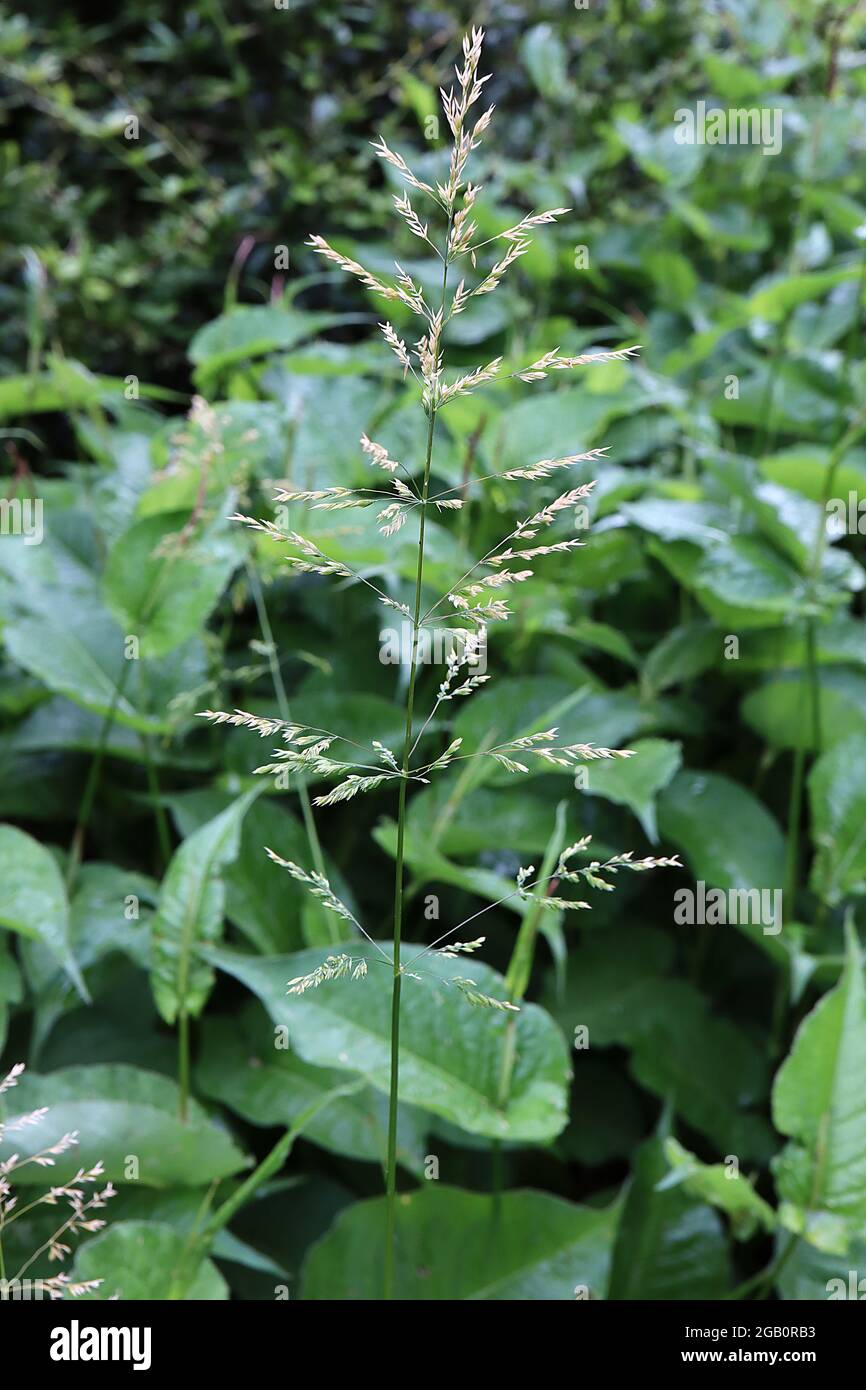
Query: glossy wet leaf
(163, 578)
(669, 1245)
(190, 912)
(121, 1114)
(837, 796)
(722, 1185)
(136, 1260)
(820, 1104)
(454, 1245)
(450, 1051)
(246, 1065)
(636, 781)
(33, 901)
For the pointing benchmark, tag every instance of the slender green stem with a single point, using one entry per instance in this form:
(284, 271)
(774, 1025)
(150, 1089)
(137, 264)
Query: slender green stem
(523, 955)
(766, 1277)
(200, 1245)
(519, 972)
(84, 811)
(162, 830)
(391, 1160)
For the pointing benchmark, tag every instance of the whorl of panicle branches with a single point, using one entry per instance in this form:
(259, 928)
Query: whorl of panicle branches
(72, 1195)
(476, 598)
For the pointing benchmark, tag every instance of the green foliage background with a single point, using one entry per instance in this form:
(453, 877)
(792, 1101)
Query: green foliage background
(709, 623)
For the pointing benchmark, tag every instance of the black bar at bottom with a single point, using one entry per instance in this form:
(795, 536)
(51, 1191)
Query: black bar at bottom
(74, 1338)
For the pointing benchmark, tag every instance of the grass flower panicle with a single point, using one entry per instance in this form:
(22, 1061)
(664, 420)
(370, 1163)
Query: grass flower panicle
(473, 597)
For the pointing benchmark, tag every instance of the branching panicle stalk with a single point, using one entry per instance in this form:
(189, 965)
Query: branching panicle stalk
(476, 599)
(391, 1158)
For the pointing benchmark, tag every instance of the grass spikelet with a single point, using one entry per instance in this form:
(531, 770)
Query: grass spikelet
(332, 968)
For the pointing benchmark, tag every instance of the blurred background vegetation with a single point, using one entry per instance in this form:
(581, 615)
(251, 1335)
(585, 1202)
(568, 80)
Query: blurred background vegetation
(255, 121)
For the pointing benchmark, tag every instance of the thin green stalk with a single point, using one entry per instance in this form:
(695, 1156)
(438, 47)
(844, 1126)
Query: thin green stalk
(90, 788)
(766, 1277)
(332, 928)
(523, 956)
(391, 1160)
(522, 959)
(162, 830)
(517, 980)
(200, 1245)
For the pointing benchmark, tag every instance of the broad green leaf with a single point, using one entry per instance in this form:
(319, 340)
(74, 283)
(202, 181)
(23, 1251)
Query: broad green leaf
(660, 154)
(514, 707)
(78, 651)
(108, 913)
(162, 585)
(604, 638)
(635, 782)
(730, 839)
(266, 905)
(618, 992)
(545, 57)
(58, 724)
(251, 330)
(819, 1102)
(712, 1073)
(547, 426)
(809, 1275)
(837, 796)
(669, 1246)
(781, 710)
(840, 640)
(455, 1245)
(804, 468)
(721, 1186)
(120, 1114)
(614, 984)
(11, 989)
(793, 524)
(776, 300)
(181, 1208)
(739, 581)
(805, 400)
(682, 653)
(190, 912)
(459, 823)
(243, 1065)
(33, 901)
(68, 386)
(136, 1261)
(670, 520)
(449, 1050)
